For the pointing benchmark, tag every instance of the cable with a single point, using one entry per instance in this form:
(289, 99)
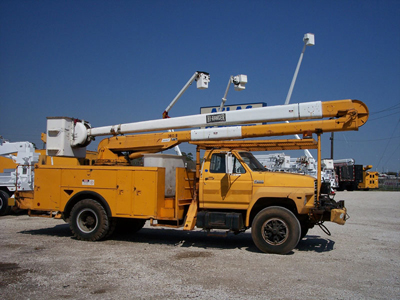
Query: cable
(386, 109)
(370, 140)
(395, 113)
(394, 130)
(395, 151)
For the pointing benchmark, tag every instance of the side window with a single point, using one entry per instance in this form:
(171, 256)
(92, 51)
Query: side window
(237, 166)
(217, 164)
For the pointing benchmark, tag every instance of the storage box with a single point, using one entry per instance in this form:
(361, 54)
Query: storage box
(170, 163)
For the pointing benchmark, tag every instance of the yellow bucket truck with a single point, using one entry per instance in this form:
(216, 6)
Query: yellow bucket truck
(229, 189)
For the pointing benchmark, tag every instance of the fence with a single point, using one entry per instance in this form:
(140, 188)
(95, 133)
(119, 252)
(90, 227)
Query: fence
(389, 184)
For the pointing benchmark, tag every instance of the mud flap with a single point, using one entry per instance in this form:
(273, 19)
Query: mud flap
(11, 201)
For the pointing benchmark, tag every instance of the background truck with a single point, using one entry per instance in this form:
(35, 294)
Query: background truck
(16, 170)
(17, 167)
(281, 162)
(354, 177)
(229, 189)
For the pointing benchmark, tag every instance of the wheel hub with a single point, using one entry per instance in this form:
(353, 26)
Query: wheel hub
(275, 231)
(87, 220)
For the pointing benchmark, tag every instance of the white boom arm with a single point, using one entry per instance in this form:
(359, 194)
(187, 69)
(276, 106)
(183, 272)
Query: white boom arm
(67, 137)
(202, 79)
(308, 41)
(25, 152)
(239, 81)
(299, 111)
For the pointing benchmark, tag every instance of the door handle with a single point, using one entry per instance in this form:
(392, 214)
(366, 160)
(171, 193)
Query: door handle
(209, 178)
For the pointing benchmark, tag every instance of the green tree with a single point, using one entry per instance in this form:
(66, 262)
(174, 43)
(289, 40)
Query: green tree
(188, 156)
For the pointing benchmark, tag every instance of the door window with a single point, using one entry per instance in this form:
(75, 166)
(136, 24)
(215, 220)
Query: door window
(237, 166)
(217, 164)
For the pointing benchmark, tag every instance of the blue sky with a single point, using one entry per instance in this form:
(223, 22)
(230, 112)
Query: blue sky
(112, 62)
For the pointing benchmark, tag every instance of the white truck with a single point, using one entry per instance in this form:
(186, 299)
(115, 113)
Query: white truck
(281, 162)
(16, 170)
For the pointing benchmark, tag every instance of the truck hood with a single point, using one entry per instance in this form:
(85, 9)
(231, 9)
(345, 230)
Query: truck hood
(283, 179)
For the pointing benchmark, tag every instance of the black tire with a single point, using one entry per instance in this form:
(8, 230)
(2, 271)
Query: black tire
(4, 208)
(275, 230)
(89, 221)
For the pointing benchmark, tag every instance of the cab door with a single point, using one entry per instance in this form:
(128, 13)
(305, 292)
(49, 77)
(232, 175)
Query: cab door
(222, 190)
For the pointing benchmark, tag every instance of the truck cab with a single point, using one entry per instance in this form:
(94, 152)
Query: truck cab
(234, 188)
(237, 179)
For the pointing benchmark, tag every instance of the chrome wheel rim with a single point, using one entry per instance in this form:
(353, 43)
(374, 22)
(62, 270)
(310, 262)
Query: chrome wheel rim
(87, 220)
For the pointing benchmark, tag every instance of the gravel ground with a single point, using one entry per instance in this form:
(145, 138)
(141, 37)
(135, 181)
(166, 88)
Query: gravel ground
(361, 260)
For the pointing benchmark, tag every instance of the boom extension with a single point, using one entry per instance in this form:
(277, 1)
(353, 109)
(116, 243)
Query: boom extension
(299, 111)
(69, 137)
(350, 115)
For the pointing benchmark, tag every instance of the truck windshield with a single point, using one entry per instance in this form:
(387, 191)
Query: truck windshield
(252, 162)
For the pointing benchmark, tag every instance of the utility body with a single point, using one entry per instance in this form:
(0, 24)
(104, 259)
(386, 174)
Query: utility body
(229, 189)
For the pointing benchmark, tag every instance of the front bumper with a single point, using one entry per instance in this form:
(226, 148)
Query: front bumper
(329, 210)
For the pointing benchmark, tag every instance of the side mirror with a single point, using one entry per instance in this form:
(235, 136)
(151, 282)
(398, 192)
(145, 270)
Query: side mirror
(229, 163)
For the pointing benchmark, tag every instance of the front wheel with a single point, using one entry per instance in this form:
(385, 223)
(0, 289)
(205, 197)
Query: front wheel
(89, 221)
(276, 230)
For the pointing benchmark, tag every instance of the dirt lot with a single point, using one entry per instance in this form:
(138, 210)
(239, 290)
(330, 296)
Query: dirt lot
(361, 260)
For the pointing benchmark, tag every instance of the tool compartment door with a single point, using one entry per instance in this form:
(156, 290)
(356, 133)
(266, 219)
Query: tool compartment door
(148, 191)
(47, 189)
(124, 203)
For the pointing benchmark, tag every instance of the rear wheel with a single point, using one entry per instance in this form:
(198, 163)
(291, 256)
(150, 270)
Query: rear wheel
(89, 220)
(4, 208)
(276, 230)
